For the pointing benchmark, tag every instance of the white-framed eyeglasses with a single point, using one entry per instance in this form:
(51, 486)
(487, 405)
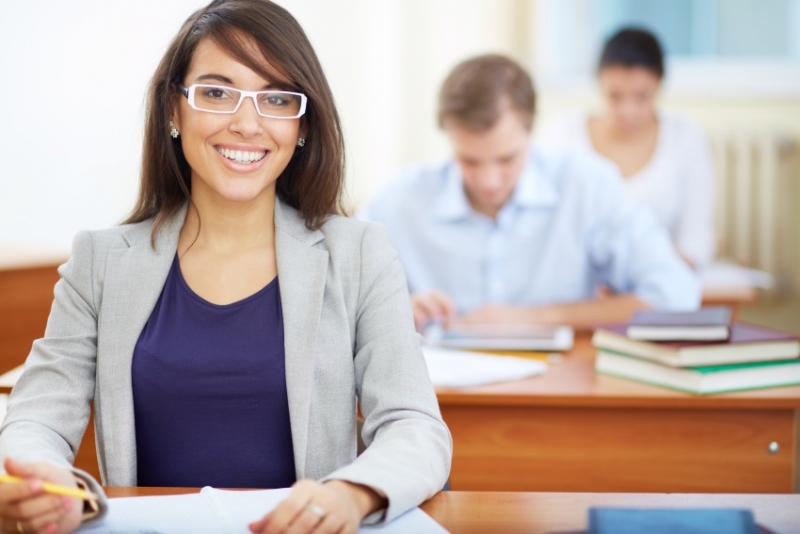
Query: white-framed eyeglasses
(222, 99)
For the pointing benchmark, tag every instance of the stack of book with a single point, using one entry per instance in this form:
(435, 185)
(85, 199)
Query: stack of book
(699, 352)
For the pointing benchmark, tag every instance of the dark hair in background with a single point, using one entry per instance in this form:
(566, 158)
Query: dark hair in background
(476, 92)
(633, 47)
(312, 181)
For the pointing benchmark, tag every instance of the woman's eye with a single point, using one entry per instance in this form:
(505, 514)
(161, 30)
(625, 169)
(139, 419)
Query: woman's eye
(276, 101)
(216, 93)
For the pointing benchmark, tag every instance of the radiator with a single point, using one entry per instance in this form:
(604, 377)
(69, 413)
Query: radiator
(754, 199)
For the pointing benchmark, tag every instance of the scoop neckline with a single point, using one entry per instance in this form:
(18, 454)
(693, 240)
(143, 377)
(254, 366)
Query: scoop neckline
(637, 176)
(185, 285)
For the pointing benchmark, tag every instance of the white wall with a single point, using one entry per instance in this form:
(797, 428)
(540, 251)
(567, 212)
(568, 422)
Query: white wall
(75, 73)
(71, 109)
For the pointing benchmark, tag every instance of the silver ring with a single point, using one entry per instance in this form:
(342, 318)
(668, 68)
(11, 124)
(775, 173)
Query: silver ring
(316, 510)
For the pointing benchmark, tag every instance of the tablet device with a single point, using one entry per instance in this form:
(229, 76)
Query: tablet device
(502, 337)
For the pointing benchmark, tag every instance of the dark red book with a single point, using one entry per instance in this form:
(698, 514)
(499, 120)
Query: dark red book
(747, 343)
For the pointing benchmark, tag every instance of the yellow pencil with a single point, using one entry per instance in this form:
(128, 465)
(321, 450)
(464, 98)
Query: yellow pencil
(55, 489)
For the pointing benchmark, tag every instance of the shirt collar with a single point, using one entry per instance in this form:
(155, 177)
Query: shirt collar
(534, 190)
(452, 203)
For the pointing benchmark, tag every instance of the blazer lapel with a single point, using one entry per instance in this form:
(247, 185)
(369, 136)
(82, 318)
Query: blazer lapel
(302, 271)
(134, 280)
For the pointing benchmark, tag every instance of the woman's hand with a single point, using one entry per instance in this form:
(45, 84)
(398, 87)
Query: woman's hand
(25, 507)
(333, 507)
(433, 306)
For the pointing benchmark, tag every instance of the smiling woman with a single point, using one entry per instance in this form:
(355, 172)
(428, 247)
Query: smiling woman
(227, 332)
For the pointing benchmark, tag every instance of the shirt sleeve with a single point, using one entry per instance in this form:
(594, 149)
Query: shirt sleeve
(632, 253)
(695, 233)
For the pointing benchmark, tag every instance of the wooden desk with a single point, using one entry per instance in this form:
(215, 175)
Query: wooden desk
(26, 295)
(573, 430)
(538, 513)
(734, 297)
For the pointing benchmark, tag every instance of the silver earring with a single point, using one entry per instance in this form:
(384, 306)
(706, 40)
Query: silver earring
(174, 131)
(301, 141)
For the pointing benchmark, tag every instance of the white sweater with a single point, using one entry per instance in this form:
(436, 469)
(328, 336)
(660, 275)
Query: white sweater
(677, 183)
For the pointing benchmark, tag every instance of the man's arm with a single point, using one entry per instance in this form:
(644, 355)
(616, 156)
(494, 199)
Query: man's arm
(583, 315)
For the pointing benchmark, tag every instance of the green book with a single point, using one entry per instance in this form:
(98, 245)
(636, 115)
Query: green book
(700, 380)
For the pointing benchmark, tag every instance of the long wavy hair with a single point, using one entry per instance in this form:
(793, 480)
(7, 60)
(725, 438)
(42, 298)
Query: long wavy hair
(312, 181)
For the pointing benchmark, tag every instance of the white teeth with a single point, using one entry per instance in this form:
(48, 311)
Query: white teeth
(242, 156)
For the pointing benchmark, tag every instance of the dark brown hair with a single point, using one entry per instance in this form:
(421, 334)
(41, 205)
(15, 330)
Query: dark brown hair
(312, 181)
(476, 92)
(633, 47)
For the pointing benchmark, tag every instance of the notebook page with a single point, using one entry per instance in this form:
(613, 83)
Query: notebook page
(165, 514)
(195, 513)
(244, 507)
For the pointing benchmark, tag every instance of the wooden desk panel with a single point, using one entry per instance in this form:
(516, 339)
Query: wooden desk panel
(619, 450)
(26, 295)
(574, 430)
(463, 512)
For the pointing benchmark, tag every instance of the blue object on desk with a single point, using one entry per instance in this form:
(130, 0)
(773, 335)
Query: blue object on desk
(671, 521)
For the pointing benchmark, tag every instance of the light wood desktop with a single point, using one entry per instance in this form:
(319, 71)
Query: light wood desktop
(573, 430)
(734, 297)
(462, 512)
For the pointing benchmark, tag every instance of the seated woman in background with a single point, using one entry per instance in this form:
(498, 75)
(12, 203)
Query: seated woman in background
(665, 159)
(226, 332)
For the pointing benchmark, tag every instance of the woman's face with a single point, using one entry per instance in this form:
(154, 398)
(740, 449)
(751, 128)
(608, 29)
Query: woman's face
(206, 138)
(629, 95)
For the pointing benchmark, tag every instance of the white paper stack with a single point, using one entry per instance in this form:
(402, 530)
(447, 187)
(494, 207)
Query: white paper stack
(458, 368)
(214, 511)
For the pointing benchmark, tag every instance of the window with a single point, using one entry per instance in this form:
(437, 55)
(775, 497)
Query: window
(712, 46)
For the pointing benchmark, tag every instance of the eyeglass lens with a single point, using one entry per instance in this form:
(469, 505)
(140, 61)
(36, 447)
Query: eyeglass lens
(225, 99)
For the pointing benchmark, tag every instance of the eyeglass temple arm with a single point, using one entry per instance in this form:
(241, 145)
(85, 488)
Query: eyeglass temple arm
(184, 90)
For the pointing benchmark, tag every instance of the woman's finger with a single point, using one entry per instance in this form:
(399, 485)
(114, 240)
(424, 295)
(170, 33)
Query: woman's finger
(306, 521)
(43, 522)
(279, 519)
(330, 524)
(35, 506)
(19, 491)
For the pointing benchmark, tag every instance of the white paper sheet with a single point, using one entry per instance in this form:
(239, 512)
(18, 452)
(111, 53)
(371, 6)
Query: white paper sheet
(458, 368)
(728, 275)
(214, 511)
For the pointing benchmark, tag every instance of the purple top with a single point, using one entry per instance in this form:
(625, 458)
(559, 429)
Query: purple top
(209, 392)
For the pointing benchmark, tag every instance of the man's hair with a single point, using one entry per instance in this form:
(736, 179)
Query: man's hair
(478, 90)
(633, 47)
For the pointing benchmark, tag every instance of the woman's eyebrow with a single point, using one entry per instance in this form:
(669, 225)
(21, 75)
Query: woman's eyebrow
(277, 84)
(216, 77)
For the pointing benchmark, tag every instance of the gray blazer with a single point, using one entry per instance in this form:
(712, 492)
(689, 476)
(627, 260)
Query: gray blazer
(348, 333)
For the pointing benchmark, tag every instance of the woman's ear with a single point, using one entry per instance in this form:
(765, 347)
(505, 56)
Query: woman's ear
(174, 112)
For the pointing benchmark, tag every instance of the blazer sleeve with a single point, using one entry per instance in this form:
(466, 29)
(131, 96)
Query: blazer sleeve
(49, 407)
(409, 447)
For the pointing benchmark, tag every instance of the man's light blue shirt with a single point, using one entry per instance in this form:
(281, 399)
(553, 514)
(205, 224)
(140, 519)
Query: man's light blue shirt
(569, 228)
